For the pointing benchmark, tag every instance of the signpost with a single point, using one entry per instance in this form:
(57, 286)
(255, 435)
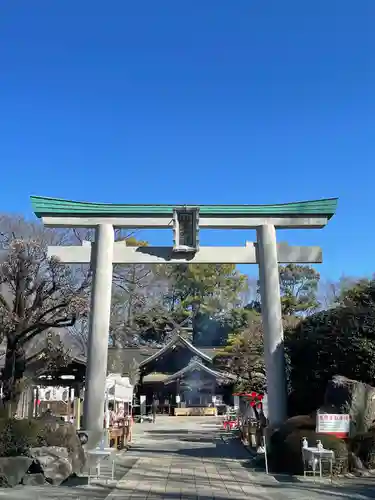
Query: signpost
(333, 423)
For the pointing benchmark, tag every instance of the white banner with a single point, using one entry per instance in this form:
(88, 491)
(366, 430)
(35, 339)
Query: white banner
(333, 423)
(52, 393)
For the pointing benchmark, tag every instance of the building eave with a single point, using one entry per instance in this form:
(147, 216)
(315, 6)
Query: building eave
(175, 341)
(197, 365)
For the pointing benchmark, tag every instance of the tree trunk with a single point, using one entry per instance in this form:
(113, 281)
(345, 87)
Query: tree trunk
(195, 307)
(12, 374)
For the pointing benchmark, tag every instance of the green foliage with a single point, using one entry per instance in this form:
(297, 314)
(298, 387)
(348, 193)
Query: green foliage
(17, 436)
(298, 288)
(243, 355)
(332, 292)
(302, 422)
(361, 294)
(286, 455)
(52, 431)
(153, 325)
(338, 341)
(237, 319)
(205, 294)
(207, 286)
(131, 241)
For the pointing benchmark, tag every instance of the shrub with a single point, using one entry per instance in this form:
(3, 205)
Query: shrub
(303, 422)
(286, 455)
(17, 436)
(327, 343)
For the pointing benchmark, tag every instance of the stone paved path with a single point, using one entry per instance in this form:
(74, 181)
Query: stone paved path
(188, 459)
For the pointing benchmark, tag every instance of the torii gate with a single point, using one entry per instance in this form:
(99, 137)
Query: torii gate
(185, 222)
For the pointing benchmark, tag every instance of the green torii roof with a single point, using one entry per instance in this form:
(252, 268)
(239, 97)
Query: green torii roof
(44, 206)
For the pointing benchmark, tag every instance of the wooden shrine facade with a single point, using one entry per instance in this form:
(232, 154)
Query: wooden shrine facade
(181, 375)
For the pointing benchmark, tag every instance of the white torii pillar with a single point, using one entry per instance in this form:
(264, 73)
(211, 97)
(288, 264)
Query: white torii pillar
(273, 338)
(101, 294)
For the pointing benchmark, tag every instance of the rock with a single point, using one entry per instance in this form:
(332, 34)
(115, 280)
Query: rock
(56, 432)
(54, 461)
(13, 469)
(360, 473)
(344, 395)
(34, 479)
(355, 463)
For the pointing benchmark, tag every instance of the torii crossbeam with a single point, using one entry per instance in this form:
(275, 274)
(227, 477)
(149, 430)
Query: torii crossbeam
(247, 254)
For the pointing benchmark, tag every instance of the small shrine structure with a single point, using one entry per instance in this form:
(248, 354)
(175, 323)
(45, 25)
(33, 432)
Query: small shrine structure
(181, 376)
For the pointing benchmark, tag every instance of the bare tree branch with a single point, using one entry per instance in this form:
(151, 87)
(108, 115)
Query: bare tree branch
(37, 293)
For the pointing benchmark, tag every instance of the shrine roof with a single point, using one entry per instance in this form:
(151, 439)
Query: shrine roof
(177, 340)
(140, 354)
(198, 366)
(45, 206)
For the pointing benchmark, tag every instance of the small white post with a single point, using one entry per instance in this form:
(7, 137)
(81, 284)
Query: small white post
(265, 452)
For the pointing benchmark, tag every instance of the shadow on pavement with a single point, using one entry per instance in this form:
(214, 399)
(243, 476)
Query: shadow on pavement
(168, 431)
(219, 451)
(177, 495)
(297, 489)
(355, 488)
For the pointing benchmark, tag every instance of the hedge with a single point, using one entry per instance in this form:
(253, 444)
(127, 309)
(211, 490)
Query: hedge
(286, 455)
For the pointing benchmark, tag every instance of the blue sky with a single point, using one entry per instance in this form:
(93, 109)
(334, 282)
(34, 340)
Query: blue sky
(216, 101)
